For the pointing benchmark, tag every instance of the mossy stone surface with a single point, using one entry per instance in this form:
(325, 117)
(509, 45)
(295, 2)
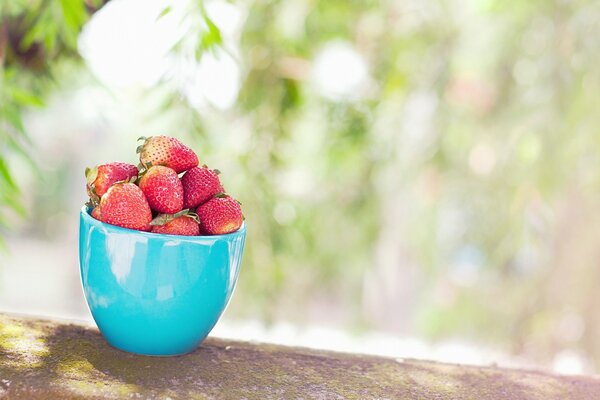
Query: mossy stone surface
(42, 359)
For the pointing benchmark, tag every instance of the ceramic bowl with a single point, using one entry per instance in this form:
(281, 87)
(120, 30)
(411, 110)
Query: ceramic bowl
(156, 294)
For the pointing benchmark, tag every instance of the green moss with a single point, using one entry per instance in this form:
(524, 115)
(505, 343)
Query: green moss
(23, 346)
(82, 378)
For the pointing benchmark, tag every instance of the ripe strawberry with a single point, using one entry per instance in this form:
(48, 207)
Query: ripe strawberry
(199, 185)
(96, 213)
(125, 205)
(167, 151)
(184, 225)
(101, 177)
(220, 215)
(162, 189)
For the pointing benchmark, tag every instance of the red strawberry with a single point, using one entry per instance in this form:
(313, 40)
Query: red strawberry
(199, 185)
(162, 189)
(101, 177)
(167, 151)
(96, 213)
(220, 215)
(184, 225)
(125, 205)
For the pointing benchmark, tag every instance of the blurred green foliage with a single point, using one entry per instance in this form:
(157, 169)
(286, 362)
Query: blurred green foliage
(456, 194)
(33, 36)
(472, 164)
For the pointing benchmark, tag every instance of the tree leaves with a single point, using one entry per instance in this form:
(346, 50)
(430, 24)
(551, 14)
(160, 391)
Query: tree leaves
(75, 16)
(25, 98)
(164, 12)
(39, 26)
(9, 194)
(209, 38)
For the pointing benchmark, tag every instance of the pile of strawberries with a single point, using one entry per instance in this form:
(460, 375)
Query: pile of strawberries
(153, 197)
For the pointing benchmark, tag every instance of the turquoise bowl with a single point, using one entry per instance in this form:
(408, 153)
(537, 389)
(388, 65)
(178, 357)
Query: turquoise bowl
(156, 294)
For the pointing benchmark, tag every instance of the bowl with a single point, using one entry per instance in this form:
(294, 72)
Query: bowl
(156, 294)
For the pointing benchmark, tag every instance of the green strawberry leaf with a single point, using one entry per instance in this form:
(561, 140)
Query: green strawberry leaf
(181, 213)
(91, 174)
(193, 216)
(162, 219)
(141, 171)
(143, 168)
(94, 198)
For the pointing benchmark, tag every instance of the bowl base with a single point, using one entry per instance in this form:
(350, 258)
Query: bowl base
(146, 354)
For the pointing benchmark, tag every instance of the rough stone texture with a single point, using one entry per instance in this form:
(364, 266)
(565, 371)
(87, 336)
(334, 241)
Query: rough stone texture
(52, 360)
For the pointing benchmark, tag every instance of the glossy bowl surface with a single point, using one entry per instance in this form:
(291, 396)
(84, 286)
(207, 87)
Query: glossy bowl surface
(156, 294)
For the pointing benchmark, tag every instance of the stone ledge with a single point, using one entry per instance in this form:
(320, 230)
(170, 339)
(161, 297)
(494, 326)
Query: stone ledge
(42, 359)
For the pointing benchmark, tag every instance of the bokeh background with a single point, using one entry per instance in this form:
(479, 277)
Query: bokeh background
(420, 178)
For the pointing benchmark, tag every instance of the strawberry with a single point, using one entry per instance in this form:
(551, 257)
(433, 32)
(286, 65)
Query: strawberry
(96, 213)
(125, 205)
(199, 185)
(220, 215)
(162, 189)
(101, 177)
(178, 224)
(167, 151)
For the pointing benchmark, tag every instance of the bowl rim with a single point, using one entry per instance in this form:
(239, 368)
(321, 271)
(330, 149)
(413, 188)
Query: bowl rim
(85, 214)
